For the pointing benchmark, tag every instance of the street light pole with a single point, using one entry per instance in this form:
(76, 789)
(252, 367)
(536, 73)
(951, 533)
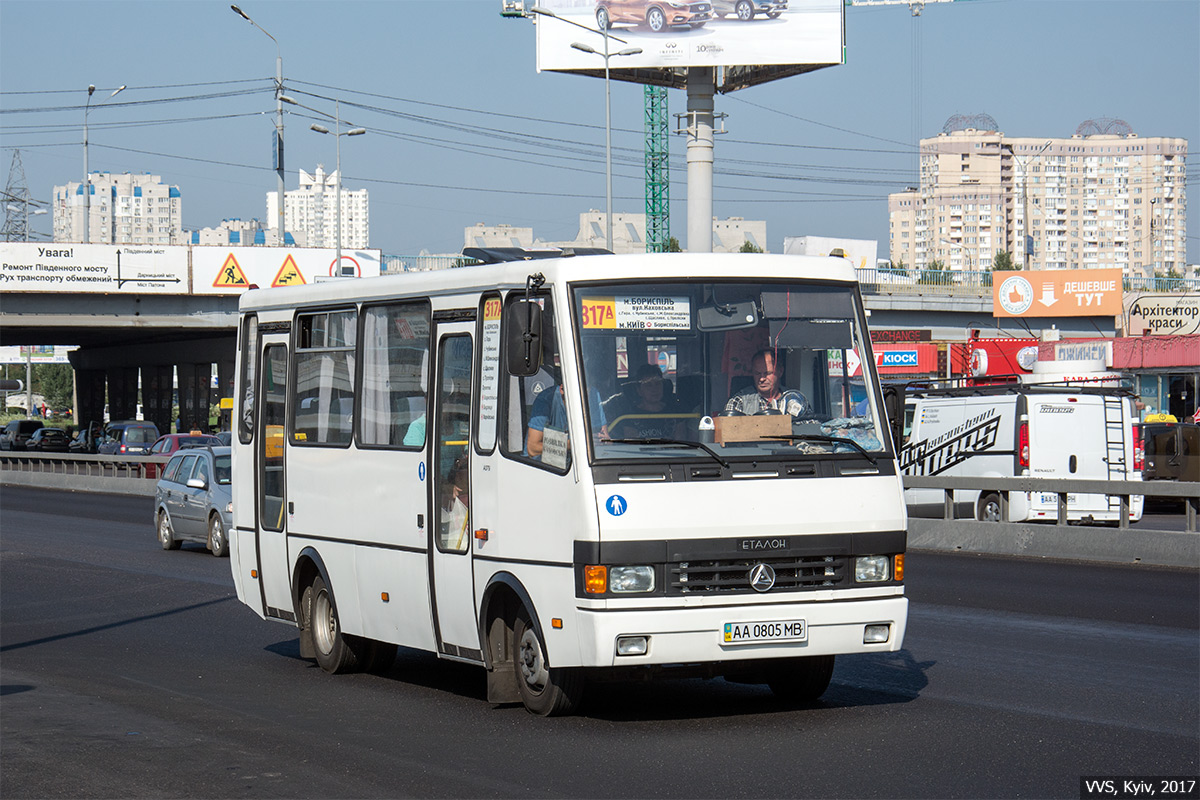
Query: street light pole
(278, 119)
(337, 135)
(87, 176)
(1026, 237)
(629, 51)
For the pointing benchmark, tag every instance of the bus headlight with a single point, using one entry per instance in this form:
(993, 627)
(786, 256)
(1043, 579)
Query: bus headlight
(870, 569)
(630, 579)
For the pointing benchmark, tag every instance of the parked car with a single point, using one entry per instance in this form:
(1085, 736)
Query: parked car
(226, 437)
(657, 15)
(17, 433)
(128, 437)
(168, 443)
(746, 9)
(86, 440)
(193, 500)
(49, 440)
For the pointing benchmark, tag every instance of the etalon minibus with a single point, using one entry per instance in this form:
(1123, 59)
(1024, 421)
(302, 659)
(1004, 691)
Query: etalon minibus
(571, 469)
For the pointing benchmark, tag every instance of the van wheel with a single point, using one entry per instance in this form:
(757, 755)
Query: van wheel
(333, 653)
(989, 508)
(800, 680)
(545, 691)
(166, 534)
(217, 541)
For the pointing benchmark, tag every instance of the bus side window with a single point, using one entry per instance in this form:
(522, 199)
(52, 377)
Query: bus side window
(395, 353)
(534, 407)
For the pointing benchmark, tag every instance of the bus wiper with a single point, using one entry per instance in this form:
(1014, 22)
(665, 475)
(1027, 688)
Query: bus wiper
(816, 437)
(684, 442)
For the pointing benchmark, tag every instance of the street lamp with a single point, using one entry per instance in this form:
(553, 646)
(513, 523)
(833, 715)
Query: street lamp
(87, 177)
(629, 51)
(278, 117)
(338, 133)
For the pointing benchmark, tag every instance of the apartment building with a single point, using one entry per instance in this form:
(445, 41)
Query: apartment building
(123, 209)
(1094, 200)
(245, 232)
(312, 210)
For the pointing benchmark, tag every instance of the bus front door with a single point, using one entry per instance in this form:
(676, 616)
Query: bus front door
(450, 527)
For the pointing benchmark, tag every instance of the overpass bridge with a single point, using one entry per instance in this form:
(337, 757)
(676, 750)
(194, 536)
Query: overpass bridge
(163, 319)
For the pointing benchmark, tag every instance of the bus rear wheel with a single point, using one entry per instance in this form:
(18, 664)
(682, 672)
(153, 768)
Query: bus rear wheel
(800, 680)
(545, 691)
(333, 653)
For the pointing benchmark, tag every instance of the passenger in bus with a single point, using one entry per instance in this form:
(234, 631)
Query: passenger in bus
(455, 505)
(767, 395)
(645, 411)
(550, 412)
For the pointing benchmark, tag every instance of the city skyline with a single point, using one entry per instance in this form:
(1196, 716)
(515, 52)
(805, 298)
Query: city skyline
(462, 130)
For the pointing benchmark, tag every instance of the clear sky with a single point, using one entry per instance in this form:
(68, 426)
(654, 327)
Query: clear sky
(462, 129)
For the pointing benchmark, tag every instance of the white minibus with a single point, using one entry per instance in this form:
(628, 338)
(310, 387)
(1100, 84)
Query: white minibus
(572, 469)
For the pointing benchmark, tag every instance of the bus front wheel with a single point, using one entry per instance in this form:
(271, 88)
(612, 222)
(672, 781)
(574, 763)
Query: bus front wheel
(545, 691)
(800, 680)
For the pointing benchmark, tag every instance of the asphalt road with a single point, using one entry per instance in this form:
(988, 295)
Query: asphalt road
(127, 671)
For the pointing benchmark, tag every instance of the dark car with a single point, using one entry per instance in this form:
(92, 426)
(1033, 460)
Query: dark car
(128, 437)
(49, 440)
(1172, 451)
(746, 9)
(193, 500)
(86, 440)
(168, 443)
(657, 15)
(17, 433)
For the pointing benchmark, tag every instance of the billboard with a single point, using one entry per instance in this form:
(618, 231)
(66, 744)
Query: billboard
(93, 268)
(1176, 314)
(232, 270)
(1057, 293)
(720, 33)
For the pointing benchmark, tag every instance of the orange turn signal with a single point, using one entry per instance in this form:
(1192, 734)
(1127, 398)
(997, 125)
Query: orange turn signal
(556, 623)
(898, 568)
(385, 597)
(254, 574)
(595, 579)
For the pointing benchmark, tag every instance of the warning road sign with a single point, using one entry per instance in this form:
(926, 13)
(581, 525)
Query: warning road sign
(230, 275)
(289, 274)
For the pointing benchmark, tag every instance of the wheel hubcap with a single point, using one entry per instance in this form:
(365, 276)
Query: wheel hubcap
(533, 667)
(324, 623)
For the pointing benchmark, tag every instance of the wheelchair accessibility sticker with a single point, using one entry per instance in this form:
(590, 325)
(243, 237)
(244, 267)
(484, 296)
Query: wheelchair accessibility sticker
(616, 505)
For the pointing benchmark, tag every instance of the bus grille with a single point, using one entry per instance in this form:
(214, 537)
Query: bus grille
(732, 576)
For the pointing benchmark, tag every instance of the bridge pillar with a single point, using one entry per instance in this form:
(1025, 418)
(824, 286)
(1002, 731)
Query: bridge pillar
(194, 383)
(122, 392)
(157, 395)
(89, 397)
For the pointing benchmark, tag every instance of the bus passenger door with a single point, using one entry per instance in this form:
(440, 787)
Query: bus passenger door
(271, 482)
(450, 528)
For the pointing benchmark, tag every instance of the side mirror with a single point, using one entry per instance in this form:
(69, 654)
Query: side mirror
(893, 403)
(197, 483)
(523, 338)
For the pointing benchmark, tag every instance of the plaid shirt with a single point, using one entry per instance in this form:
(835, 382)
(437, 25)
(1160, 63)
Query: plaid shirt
(750, 402)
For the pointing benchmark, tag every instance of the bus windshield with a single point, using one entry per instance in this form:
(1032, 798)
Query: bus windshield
(695, 370)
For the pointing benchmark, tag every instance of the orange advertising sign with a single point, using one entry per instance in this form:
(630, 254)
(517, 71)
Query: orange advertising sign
(1057, 293)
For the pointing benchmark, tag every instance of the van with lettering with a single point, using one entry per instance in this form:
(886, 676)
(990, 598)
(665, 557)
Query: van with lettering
(1021, 430)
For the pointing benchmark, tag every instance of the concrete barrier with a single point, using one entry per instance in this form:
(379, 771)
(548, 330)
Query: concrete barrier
(1073, 542)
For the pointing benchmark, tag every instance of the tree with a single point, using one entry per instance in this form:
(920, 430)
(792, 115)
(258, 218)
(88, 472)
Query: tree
(931, 273)
(750, 247)
(1003, 262)
(56, 383)
(672, 246)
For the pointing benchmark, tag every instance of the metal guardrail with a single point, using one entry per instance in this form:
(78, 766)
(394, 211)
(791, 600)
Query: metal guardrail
(1188, 491)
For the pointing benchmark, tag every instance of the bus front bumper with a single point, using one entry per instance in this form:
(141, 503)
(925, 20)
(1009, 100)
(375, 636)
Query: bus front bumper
(737, 633)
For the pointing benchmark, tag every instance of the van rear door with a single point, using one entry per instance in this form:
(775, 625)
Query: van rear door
(1067, 440)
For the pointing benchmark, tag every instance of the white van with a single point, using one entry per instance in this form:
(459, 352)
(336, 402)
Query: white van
(1017, 430)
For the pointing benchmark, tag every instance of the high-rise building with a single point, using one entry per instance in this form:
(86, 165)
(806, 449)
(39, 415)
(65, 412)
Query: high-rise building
(1104, 197)
(312, 209)
(124, 209)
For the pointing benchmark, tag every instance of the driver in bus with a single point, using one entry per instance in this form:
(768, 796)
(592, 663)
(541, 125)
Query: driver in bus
(767, 394)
